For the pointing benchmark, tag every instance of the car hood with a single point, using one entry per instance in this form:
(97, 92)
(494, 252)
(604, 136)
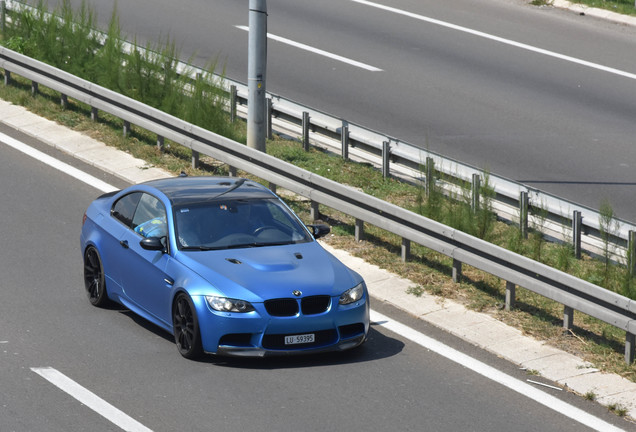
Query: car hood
(261, 273)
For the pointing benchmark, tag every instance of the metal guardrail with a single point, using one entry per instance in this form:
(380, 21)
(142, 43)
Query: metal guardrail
(573, 293)
(555, 217)
(514, 202)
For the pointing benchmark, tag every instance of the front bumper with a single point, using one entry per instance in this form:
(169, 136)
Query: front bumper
(257, 334)
(237, 351)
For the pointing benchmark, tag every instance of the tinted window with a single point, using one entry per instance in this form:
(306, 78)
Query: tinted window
(150, 217)
(124, 208)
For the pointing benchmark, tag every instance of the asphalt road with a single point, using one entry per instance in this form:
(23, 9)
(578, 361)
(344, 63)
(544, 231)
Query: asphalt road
(47, 322)
(555, 125)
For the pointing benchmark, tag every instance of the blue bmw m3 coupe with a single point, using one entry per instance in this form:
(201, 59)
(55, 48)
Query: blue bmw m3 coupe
(224, 265)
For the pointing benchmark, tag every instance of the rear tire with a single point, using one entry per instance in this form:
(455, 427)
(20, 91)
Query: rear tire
(94, 279)
(186, 327)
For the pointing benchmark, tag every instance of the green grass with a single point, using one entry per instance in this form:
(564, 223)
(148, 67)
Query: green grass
(625, 7)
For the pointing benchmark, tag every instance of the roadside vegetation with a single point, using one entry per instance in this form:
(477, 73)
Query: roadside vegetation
(153, 79)
(625, 7)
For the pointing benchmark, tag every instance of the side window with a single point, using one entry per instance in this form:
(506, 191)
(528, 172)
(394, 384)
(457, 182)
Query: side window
(150, 217)
(124, 208)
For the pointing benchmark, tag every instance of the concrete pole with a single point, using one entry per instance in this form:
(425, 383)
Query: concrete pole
(256, 68)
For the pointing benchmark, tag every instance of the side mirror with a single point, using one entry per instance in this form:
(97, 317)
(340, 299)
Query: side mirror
(152, 244)
(319, 230)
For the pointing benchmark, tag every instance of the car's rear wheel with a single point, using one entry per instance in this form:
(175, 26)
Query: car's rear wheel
(94, 280)
(186, 327)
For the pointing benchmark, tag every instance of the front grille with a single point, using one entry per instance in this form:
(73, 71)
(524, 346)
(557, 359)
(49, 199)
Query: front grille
(282, 307)
(286, 307)
(315, 305)
(322, 338)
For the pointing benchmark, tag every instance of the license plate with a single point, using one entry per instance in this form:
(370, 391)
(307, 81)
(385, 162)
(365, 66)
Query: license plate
(300, 339)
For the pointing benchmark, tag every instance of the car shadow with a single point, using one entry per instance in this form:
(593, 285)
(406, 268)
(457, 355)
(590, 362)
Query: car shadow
(377, 346)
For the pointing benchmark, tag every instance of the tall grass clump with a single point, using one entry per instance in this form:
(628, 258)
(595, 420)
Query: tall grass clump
(68, 40)
(485, 216)
(431, 203)
(535, 237)
(608, 227)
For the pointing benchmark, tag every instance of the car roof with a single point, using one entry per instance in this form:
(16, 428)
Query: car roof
(184, 190)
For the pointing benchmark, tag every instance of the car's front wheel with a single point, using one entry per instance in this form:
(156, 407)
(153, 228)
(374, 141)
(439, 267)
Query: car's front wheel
(94, 280)
(186, 327)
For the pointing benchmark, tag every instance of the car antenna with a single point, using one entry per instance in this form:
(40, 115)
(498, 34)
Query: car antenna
(235, 185)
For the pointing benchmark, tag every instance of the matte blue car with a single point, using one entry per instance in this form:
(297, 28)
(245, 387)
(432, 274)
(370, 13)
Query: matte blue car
(224, 265)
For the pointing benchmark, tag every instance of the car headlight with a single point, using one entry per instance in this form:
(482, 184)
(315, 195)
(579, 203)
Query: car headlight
(224, 304)
(352, 295)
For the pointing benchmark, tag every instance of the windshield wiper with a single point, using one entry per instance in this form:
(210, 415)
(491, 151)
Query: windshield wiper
(258, 244)
(200, 248)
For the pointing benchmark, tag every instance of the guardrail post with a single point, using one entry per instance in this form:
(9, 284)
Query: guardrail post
(195, 159)
(94, 114)
(511, 289)
(63, 101)
(34, 88)
(576, 233)
(457, 270)
(630, 343)
(233, 101)
(272, 187)
(305, 130)
(270, 110)
(7, 77)
(359, 230)
(314, 212)
(160, 141)
(344, 140)
(406, 249)
(430, 181)
(386, 155)
(232, 171)
(631, 252)
(126, 130)
(3, 15)
(568, 317)
(475, 193)
(523, 213)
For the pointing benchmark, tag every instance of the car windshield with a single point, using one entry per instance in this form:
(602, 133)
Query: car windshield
(237, 223)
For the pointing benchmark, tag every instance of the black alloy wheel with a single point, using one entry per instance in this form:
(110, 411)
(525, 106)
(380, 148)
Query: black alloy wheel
(94, 279)
(186, 327)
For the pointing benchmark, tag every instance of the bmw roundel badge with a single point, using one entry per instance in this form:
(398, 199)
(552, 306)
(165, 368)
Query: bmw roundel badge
(297, 293)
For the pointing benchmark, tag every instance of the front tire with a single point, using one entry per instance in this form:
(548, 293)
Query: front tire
(94, 279)
(186, 327)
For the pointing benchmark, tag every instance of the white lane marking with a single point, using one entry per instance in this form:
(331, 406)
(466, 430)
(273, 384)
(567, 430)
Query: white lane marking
(499, 39)
(317, 51)
(493, 374)
(396, 327)
(51, 161)
(91, 400)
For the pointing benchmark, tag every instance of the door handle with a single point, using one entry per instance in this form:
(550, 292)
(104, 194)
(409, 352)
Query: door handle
(124, 243)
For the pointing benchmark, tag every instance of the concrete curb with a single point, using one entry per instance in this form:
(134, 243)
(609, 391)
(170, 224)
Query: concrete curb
(604, 14)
